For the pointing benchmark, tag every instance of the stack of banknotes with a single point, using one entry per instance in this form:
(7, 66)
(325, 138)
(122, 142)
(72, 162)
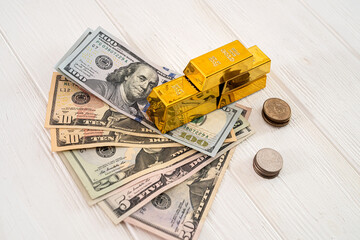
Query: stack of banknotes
(164, 183)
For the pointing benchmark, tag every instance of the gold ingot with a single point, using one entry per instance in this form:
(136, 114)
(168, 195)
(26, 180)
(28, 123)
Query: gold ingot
(192, 102)
(176, 97)
(242, 91)
(219, 65)
(162, 96)
(181, 119)
(261, 66)
(171, 92)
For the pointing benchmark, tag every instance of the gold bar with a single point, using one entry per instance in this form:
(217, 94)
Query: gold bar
(194, 101)
(176, 97)
(162, 96)
(242, 91)
(219, 65)
(181, 119)
(261, 66)
(173, 91)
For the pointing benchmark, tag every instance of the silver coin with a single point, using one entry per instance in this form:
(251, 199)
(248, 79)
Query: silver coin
(262, 173)
(268, 161)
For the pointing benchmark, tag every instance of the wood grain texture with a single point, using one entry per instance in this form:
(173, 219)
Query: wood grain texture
(341, 18)
(315, 196)
(309, 62)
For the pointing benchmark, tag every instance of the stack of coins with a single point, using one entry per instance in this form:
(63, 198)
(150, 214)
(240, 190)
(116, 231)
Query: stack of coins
(211, 81)
(276, 112)
(267, 163)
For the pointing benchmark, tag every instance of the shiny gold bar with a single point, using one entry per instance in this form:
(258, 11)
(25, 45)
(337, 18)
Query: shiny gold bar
(242, 91)
(172, 92)
(193, 101)
(176, 97)
(181, 119)
(261, 66)
(162, 96)
(219, 65)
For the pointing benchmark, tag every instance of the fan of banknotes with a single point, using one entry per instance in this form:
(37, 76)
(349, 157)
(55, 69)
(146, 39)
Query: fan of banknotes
(163, 183)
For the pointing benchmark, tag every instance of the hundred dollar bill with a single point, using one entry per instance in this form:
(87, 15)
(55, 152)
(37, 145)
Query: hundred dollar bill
(207, 133)
(115, 73)
(85, 166)
(71, 107)
(103, 169)
(129, 198)
(112, 71)
(64, 139)
(180, 212)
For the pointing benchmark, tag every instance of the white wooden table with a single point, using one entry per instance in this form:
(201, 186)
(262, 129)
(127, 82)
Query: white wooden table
(315, 52)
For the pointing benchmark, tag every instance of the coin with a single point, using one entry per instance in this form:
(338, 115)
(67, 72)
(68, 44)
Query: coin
(260, 173)
(267, 163)
(274, 123)
(277, 110)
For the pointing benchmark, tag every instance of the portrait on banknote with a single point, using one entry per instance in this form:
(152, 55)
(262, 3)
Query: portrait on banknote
(112, 71)
(127, 86)
(200, 182)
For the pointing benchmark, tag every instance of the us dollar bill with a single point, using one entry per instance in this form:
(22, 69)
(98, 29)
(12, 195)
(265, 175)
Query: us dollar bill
(126, 202)
(246, 110)
(71, 107)
(129, 198)
(180, 212)
(207, 133)
(64, 139)
(112, 71)
(89, 167)
(101, 170)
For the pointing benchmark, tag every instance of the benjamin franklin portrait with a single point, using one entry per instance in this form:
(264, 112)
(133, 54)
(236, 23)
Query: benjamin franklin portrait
(127, 86)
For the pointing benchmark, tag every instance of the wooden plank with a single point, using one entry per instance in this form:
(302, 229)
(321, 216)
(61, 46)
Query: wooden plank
(341, 18)
(315, 196)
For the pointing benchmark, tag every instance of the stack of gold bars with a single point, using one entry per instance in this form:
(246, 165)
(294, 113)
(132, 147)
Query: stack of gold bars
(211, 81)
(163, 183)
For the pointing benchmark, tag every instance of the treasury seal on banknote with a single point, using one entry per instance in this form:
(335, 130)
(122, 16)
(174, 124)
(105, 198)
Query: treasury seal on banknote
(106, 152)
(162, 201)
(103, 62)
(80, 98)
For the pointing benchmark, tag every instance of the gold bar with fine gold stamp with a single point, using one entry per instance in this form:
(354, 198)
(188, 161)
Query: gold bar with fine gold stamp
(242, 91)
(176, 97)
(261, 66)
(219, 65)
(163, 96)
